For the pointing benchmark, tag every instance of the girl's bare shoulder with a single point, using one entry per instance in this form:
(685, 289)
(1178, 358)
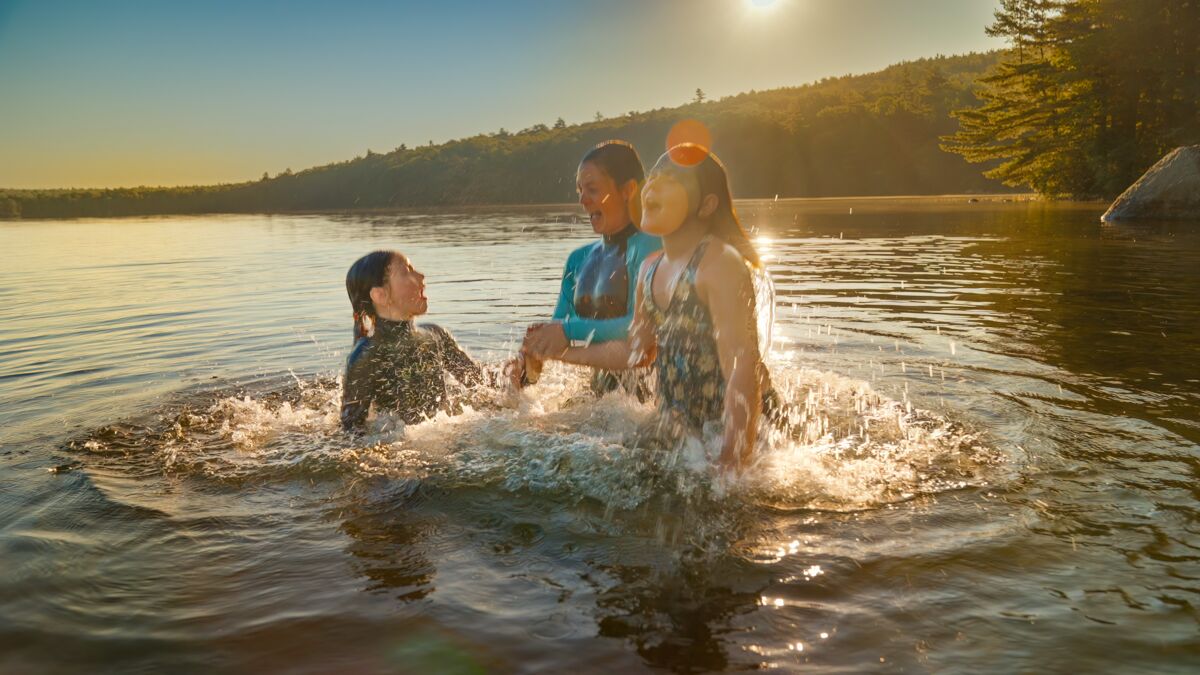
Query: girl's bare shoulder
(722, 264)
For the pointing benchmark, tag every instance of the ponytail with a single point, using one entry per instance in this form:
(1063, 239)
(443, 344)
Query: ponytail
(366, 273)
(364, 324)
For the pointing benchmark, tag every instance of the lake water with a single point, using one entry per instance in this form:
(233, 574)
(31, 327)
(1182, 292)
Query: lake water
(996, 469)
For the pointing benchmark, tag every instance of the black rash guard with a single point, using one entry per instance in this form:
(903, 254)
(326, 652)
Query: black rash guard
(402, 369)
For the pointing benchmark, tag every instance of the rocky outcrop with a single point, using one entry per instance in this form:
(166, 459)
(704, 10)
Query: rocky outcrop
(1170, 190)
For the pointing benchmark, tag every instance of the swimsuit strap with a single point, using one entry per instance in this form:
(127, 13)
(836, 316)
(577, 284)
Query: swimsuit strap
(694, 262)
(688, 273)
(658, 257)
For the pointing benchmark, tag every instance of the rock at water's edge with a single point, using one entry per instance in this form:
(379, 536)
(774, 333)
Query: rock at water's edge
(1170, 190)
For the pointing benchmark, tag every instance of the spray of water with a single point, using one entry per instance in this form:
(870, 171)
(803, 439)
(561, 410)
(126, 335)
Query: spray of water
(838, 445)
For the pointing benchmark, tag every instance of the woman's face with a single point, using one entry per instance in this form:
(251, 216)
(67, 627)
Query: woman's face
(667, 200)
(602, 199)
(402, 295)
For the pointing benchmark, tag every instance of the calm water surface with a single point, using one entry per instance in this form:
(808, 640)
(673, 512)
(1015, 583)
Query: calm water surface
(993, 465)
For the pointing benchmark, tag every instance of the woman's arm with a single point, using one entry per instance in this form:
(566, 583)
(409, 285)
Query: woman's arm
(551, 338)
(566, 291)
(725, 284)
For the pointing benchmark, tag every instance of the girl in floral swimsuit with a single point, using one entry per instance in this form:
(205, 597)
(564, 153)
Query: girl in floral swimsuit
(694, 313)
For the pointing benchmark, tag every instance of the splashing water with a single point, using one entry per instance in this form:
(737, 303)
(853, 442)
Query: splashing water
(840, 446)
(764, 304)
(845, 446)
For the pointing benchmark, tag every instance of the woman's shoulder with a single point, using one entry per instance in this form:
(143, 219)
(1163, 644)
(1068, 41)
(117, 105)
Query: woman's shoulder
(644, 243)
(578, 255)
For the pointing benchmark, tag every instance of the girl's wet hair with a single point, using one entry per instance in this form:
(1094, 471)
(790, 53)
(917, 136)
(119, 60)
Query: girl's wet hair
(619, 160)
(710, 174)
(366, 273)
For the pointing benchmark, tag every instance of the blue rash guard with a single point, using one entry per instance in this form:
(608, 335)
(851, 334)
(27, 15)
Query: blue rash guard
(599, 286)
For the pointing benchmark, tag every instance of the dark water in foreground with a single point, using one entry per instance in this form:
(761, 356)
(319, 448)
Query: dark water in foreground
(996, 471)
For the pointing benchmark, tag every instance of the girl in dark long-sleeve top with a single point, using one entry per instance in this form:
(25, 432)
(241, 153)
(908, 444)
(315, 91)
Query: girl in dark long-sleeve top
(397, 366)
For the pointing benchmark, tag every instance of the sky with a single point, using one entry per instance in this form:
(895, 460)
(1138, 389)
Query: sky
(128, 92)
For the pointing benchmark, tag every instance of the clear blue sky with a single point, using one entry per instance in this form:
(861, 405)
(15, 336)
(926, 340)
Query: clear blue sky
(120, 92)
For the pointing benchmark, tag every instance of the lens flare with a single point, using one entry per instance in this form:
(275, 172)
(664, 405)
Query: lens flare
(689, 142)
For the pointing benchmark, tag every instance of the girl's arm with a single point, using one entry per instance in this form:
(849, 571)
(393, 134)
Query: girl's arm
(635, 351)
(724, 283)
(459, 363)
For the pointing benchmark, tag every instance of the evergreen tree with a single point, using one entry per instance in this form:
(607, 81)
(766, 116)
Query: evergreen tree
(1091, 94)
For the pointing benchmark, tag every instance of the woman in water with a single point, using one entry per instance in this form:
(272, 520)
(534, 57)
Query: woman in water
(596, 301)
(395, 365)
(695, 315)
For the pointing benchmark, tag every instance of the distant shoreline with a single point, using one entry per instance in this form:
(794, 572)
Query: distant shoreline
(867, 200)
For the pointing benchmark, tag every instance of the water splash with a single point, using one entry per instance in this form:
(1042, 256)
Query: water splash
(840, 445)
(844, 446)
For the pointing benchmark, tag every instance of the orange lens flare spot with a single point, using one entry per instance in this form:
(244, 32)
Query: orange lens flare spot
(688, 154)
(688, 142)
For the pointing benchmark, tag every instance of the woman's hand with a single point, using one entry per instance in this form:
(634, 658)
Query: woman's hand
(546, 340)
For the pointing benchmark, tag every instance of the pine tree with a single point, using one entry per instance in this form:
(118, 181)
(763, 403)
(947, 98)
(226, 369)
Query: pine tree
(1019, 121)
(1091, 94)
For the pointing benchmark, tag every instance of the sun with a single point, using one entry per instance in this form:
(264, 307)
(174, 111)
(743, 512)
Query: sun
(762, 4)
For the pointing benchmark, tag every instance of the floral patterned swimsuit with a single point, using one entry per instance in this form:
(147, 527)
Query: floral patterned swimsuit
(691, 386)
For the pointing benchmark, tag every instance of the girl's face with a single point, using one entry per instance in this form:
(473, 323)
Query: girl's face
(606, 203)
(667, 200)
(402, 295)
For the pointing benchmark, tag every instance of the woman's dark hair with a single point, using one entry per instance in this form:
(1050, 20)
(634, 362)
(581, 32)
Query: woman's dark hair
(619, 160)
(366, 273)
(710, 173)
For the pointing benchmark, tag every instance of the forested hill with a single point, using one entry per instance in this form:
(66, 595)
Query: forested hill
(874, 134)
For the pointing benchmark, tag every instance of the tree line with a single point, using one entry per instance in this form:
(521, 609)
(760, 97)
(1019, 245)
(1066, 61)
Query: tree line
(873, 134)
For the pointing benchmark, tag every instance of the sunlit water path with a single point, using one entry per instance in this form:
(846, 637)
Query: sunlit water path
(992, 463)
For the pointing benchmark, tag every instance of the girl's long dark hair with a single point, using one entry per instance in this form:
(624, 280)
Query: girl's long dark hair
(366, 273)
(724, 222)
